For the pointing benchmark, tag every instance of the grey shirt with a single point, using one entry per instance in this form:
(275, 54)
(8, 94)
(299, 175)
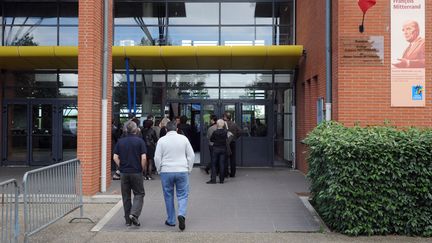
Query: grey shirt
(210, 131)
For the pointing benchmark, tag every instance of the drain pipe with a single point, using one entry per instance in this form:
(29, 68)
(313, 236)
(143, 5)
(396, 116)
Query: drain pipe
(104, 97)
(293, 121)
(328, 62)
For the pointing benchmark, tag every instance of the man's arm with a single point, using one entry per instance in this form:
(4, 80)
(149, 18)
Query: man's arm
(116, 160)
(158, 157)
(143, 161)
(190, 155)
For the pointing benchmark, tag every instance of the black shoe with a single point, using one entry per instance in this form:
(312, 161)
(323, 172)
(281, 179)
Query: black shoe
(221, 182)
(171, 225)
(182, 224)
(207, 170)
(232, 176)
(128, 221)
(211, 182)
(134, 220)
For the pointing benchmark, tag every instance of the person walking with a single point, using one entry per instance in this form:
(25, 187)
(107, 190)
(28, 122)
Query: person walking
(219, 139)
(235, 130)
(130, 156)
(210, 130)
(174, 158)
(150, 138)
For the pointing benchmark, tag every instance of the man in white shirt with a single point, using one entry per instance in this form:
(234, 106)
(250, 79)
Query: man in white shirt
(174, 158)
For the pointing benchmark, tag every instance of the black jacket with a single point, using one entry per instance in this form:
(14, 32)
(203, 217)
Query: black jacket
(219, 138)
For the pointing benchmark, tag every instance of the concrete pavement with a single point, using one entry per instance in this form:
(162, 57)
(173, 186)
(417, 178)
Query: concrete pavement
(79, 232)
(256, 200)
(259, 205)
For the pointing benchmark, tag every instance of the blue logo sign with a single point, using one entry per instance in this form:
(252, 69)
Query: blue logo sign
(417, 92)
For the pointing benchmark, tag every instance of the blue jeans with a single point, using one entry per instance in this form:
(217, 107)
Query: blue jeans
(181, 182)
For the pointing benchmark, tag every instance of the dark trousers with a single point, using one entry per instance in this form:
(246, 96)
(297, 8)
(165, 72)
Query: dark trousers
(132, 182)
(208, 166)
(218, 161)
(232, 161)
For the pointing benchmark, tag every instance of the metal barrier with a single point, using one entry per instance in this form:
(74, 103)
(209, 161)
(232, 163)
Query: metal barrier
(50, 193)
(9, 211)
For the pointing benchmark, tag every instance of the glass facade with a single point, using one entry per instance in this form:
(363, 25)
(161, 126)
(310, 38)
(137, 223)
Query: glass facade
(259, 99)
(154, 90)
(25, 23)
(47, 84)
(194, 23)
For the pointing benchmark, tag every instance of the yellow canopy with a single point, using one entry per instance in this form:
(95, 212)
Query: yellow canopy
(157, 57)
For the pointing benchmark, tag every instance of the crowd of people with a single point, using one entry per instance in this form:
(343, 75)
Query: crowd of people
(138, 153)
(165, 148)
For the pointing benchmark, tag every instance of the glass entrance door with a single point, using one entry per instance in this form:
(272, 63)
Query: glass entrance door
(41, 141)
(38, 131)
(217, 108)
(256, 140)
(253, 148)
(15, 132)
(68, 135)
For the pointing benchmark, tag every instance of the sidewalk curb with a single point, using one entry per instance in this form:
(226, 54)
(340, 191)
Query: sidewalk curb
(315, 215)
(110, 199)
(107, 217)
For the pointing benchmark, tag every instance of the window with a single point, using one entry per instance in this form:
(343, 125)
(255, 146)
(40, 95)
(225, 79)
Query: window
(40, 23)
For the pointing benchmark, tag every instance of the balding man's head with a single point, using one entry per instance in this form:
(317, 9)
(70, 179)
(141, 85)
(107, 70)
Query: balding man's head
(411, 30)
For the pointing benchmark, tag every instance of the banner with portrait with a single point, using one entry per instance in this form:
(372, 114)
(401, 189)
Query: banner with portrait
(408, 76)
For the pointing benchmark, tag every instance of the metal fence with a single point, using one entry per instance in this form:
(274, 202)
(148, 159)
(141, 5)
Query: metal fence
(50, 193)
(9, 211)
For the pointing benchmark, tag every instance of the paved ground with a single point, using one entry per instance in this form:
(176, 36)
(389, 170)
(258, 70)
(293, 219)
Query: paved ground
(17, 173)
(266, 191)
(256, 200)
(63, 231)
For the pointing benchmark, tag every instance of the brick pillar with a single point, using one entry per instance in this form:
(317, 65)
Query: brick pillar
(90, 93)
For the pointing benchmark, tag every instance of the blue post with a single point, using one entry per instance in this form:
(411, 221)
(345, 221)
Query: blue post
(128, 84)
(134, 91)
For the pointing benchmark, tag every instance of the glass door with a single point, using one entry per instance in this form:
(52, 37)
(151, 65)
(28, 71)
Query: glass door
(41, 152)
(217, 108)
(208, 109)
(256, 140)
(68, 127)
(15, 130)
(39, 132)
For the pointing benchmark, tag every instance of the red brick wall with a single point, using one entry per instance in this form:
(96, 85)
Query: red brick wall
(365, 91)
(361, 94)
(310, 32)
(90, 94)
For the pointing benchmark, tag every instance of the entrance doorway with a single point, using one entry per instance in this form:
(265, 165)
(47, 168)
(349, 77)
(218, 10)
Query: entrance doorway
(253, 148)
(39, 131)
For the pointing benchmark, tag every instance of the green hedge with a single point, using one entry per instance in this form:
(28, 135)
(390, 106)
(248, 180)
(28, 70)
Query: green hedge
(373, 180)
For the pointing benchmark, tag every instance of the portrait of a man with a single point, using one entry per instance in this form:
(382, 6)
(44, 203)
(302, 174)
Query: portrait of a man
(414, 55)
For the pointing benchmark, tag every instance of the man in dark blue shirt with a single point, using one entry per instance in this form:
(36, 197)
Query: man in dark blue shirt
(130, 156)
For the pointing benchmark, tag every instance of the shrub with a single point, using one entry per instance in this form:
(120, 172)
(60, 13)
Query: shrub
(373, 180)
